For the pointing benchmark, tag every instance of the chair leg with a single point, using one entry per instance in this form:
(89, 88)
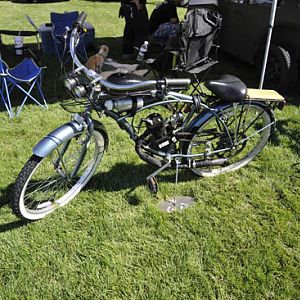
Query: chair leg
(28, 95)
(24, 100)
(7, 106)
(196, 86)
(6, 100)
(42, 95)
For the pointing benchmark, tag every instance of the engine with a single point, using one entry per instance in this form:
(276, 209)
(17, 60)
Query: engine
(159, 136)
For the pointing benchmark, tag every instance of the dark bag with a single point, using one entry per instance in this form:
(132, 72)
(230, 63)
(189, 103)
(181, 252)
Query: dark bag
(197, 35)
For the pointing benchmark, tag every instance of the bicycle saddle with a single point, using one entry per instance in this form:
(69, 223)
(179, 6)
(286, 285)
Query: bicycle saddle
(125, 79)
(228, 87)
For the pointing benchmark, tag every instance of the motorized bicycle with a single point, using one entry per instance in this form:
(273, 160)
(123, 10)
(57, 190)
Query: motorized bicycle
(209, 134)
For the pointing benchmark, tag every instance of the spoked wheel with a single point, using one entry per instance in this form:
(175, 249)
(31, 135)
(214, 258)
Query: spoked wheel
(235, 135)
(45, 184)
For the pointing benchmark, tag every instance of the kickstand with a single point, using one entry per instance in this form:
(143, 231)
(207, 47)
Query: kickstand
(151, 179)
(173, 200)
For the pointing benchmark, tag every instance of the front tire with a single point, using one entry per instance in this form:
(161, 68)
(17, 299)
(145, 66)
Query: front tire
(44, 184)
(237, 134)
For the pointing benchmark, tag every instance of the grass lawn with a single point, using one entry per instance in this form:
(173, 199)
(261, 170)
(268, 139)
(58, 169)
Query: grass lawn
(239, 241)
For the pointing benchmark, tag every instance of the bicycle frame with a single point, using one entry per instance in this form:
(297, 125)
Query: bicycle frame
(199, 113)
(193, 119)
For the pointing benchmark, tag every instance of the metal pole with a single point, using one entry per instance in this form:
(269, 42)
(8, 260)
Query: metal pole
(271, 25)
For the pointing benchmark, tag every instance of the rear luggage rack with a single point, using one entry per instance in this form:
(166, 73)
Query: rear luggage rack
(264, 95)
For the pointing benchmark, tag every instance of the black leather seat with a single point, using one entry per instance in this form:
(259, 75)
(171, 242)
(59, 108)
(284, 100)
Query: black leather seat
(228, 87)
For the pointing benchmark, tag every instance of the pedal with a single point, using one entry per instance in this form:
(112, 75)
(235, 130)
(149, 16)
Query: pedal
(151, 179)
(152, 185)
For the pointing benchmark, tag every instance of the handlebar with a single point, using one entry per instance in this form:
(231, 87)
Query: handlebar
(80, 20)
(177, 82)
(96, 78)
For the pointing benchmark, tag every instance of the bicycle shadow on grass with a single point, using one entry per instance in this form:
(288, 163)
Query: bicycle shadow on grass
(12, 225)
(4, 200)
(129, 176)
(5, 195)
(122, 176)
(293, 134)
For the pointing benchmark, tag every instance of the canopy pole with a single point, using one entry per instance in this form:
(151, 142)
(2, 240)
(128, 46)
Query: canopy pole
(271, 25)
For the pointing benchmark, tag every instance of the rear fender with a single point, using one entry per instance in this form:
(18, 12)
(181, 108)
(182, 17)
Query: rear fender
(204, 116)
(56, 138)
(207, 114)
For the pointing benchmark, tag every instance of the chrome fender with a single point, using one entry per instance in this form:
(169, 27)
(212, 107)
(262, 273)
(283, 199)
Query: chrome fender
(56, 138)
(204, 116)
(207, 114)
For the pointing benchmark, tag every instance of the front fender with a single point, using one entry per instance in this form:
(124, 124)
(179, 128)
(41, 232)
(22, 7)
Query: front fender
(56, 138)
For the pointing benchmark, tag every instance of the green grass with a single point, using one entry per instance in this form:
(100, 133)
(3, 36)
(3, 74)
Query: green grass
(239, 241)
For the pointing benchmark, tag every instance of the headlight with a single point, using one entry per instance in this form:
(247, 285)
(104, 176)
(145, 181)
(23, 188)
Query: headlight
(70, 83)
(79, 91)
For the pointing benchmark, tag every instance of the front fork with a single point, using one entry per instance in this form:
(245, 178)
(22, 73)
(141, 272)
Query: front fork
(90, 128)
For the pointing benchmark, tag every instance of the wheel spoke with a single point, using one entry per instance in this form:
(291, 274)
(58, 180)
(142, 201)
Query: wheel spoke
(39, 194)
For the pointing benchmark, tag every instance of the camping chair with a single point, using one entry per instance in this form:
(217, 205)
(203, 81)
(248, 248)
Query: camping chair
(26, 77)
(61, 25)
(193, 52)
(22, 48)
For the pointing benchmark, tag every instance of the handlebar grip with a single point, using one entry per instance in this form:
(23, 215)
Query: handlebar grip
(80, 20)
(177, 82)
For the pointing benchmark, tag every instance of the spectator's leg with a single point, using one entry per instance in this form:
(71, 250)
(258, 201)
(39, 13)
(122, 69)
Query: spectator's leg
(141, 28)
(128, 35)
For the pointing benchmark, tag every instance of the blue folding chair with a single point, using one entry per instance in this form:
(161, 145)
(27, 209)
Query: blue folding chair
(61, 25)
(27, 78)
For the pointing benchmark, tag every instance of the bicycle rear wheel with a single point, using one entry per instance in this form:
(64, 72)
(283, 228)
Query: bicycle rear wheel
(44, 184)
(236, 134)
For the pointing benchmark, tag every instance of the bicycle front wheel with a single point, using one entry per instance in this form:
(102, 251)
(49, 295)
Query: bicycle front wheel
(235, 135)
(44, 184)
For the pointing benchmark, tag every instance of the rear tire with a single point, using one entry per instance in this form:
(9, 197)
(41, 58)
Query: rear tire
(238, 134)
(44, 184)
